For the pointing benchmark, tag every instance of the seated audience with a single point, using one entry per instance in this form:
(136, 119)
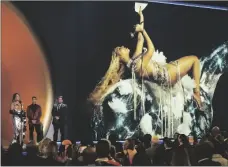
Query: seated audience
(15, 156)
(204, 154)
(129, 152)
(212, 150)
(103, 148)
(150, 146)
(71, 154)
(181, 154)
(113, 152)
(218, 151)
(113, 139)
(141, 158)
(168, 152)
(48, 156)
(89, 156)
(31, 158)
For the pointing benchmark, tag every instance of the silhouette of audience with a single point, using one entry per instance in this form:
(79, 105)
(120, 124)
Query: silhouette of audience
(211, 150)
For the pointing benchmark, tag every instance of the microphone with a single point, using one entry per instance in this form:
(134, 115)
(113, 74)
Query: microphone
(144, 50)
(140, 55)
(134, 60)
(132, 34)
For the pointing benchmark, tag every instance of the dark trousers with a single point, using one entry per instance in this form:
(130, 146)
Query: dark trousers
(58, 126)
(38, 129)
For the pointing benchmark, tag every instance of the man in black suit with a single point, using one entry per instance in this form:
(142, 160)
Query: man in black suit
(59, 114)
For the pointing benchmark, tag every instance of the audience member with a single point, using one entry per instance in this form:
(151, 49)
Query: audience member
(103, 148)
(176, 142)
(168, 152)
(158, 158)
(43, 143)
(48, 155)
(129, 152)
(141, 158)
(15, 156)
(4, 156)
(215, 131)
(206, 138)
(89, 156)
(210, 151)
(154, 145)
(113, 139)
(204, 154)
(113, 152)
(147, 141)
(217, 155)
(62, 154)
(70, 154)
(181, 155)
(31, 157)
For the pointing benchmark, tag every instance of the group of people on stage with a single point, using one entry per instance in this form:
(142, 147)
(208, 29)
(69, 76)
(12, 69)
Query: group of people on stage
(33, 113)
(164, 75)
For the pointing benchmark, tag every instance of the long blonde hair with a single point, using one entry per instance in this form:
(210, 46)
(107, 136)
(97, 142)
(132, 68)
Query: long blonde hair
(112, 76)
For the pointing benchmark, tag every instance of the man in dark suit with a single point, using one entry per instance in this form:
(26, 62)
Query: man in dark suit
(59, 114)
(34, 114)
(204, 153)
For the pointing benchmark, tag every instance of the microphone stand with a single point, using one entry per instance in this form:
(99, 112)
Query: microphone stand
(142, 82)
(142, 99)
(22, 126)
(131, 65)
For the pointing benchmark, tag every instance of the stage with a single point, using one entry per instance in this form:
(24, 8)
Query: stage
(62, 54)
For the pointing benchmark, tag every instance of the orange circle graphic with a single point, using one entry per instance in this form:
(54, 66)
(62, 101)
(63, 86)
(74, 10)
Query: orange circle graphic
(24, 70)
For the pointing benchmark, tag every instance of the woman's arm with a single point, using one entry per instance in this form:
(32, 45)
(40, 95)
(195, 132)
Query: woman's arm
(140, 41)
(11, 112)
(139, 45)
(141, 18)
(12, 106)
(150, 48)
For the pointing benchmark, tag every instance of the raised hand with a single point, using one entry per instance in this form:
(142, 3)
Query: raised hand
(140, 11)
(141, 17)
(138, 28)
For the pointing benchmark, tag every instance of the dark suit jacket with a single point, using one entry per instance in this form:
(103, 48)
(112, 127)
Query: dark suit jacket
(34, 113)
(209, 162)
(61, 113)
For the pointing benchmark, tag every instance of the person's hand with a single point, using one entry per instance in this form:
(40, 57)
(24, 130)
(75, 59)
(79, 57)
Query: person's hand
(140, 11)
(141, 16)
(138, 28)
(33, 121)
(56, 117)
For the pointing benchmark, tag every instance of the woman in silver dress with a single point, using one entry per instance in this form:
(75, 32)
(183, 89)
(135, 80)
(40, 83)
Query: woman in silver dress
(19, 119)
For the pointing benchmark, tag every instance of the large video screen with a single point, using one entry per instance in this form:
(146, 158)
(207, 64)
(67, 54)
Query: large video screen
(121, 67)
(173, 70)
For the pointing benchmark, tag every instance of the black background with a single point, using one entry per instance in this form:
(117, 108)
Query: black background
(78, 38)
